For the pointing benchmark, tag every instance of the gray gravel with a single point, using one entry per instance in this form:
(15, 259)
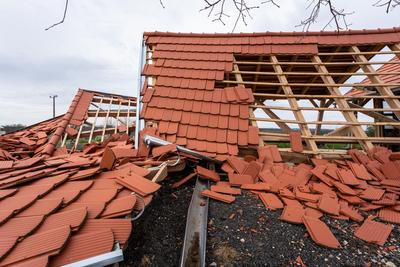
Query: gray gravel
(245, 233)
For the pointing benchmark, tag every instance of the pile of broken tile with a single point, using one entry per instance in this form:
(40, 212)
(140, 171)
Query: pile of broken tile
(27, 142)
(71, 206)
(365, 190)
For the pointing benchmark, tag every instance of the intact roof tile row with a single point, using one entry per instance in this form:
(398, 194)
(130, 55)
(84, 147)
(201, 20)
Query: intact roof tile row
(207, 121)
(323, 37)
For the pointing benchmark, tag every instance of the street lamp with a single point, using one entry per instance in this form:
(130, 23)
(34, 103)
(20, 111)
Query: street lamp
(54, 104)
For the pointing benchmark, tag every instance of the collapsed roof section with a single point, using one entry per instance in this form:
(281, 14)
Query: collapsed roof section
(92, 116)
(296, 79)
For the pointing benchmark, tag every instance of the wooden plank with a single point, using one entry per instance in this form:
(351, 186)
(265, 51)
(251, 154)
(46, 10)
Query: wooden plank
(321, 64)
(293, 104)
(330, 96)
(287, 73)
(355, 123)
(341, 103)
(350, 85)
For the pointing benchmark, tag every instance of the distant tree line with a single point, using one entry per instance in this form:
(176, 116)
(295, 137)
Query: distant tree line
(11, 127)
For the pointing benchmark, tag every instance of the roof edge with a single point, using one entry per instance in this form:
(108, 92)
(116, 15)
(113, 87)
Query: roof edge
(310, 33)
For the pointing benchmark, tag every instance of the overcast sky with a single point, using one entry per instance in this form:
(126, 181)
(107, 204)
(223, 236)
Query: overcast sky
(98, 45)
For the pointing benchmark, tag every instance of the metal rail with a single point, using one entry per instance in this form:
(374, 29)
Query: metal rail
(194, 245)
(154, 141)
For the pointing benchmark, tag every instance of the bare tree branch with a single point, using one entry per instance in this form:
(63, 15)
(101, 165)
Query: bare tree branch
(242, 9)
(338, 16)
(162, 4)
(61, 21)
(389, 4)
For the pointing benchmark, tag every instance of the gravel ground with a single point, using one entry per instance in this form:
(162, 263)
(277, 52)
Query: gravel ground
(157, 236)
(245, 233)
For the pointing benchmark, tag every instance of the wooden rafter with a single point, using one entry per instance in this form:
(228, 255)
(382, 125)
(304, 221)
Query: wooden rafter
(293, 104)
(342, 104)
(383, 87)
(284, 127)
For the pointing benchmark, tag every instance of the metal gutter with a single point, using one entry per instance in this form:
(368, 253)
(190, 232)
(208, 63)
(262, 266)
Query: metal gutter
(154, 141)
(194, 245)
(101, 260)
(139, 88)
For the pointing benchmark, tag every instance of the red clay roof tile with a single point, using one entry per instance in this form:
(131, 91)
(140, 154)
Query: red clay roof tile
(292, 214)
(373, 232)
(121, 228)
(94, 209)
(329, 205)
(6, 244)
(20, 227)
(389, 215)
(240, 179)
(119, 207)
(73, 218)
(83, 246)
(207, 174)
(218, 196)
(225, 190)
(296, 142)
(49, 242)
(320, 232)
(271, 201)
(138, 184)
(42, 207)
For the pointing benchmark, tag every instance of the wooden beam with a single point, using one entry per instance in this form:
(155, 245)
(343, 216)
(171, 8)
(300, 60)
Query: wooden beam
(284, 127)
(350, 85)
(293, 104)
(349, 116)
(301, 96)
(321, 64)
(320, 117)
(383, 89)
(317, 74)
(95, 120)
(377, 116)
(355, 123)
(344, 130)
(106, 120)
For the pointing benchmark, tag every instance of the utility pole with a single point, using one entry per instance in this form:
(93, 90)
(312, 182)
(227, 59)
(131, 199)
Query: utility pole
(54, 104)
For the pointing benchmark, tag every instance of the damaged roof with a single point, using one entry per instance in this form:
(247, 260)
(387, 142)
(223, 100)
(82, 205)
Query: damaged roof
(201, 88)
